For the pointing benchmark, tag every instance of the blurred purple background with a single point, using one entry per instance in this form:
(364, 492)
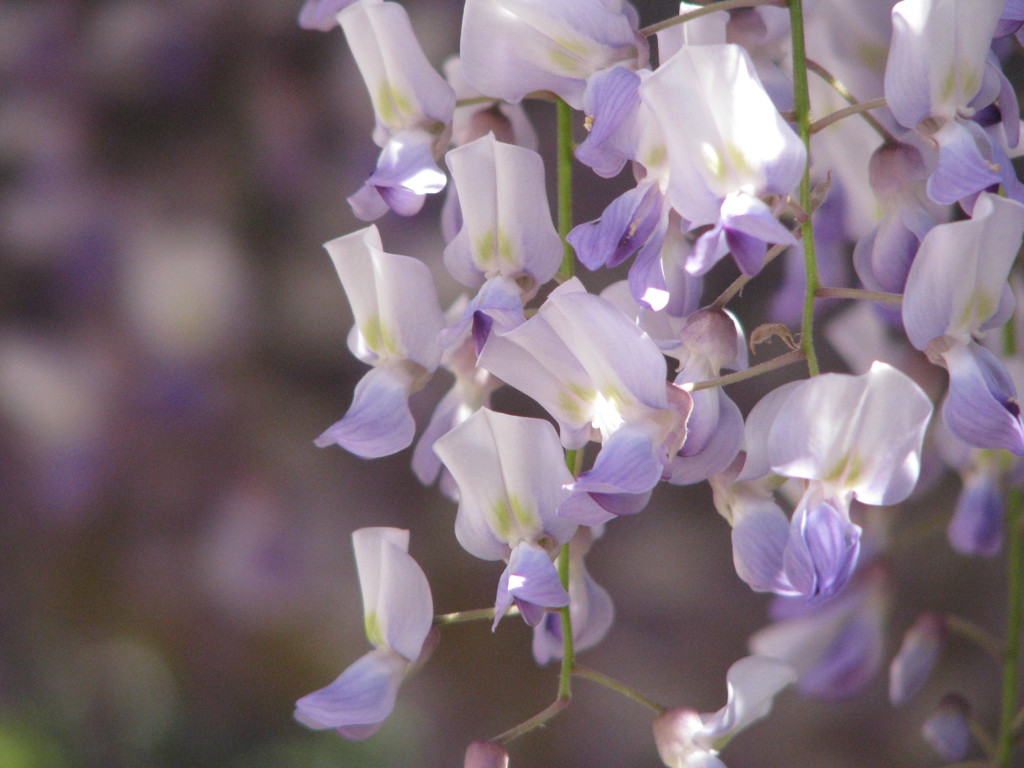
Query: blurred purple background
(176, 563)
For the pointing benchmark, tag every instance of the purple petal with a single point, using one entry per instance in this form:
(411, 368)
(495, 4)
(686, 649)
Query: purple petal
(717, 452)
(611, 99)
(962, 169)
(981, 407)
(628, 463)
(406, 173)
(821, 552)
(532, 580)
(977, 524)
(363, 695)
(379, 422)
(758, 544)
(625, 225)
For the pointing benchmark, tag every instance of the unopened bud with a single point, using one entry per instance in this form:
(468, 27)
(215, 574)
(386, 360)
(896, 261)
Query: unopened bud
(948, 730)
(918, 654)
(486, 754)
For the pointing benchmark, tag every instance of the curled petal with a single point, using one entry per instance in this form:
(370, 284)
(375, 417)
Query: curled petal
(360, 699)
(532, 581)
(981, 406)
(379, 422)
(976, 527)
(821, 552)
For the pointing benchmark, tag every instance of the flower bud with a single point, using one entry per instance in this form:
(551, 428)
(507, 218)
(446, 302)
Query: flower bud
(916, 658)
(486, 754)
(947, 730)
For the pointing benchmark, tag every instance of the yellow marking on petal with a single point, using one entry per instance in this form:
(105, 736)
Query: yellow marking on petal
(738, 159)
(393, 106)
(502, 517)
(566, 62)
(522, 514)
(656, 156)
(505, 247)
(485, 251)
(948, 85)
(378, 337)
(374, 632)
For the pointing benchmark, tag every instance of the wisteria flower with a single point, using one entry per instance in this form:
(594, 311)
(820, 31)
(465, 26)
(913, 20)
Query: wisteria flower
(398, 613)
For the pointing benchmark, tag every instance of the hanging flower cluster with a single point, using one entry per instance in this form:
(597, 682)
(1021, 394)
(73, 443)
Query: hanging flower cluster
(911, 188)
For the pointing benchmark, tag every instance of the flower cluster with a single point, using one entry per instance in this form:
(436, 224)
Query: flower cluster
(915, 188)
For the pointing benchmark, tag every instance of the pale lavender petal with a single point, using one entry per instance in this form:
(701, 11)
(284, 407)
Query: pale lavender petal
(499, 301)
(850, 661)
(758, 426)
(976, 527)
(717, 453)
(379, 422)
(321, 14)
(916, 658)
(758, 544)
(646, 278)
(753, 683)
(854, 433)
(628, 463)
(530, 578)
(611, 100)
(958, 277)
(406, 173)
(710, 248)
(363, 695)
(425, 463)
(981, 407)
(367, 203)
(586, 509)
(962, 169)
(821, 552)
(405, 608)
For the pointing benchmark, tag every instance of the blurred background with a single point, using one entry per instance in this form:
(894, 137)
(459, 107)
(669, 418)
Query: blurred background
(175, 561)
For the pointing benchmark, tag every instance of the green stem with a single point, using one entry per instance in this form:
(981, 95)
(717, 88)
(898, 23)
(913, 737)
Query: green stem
(839, 88)
(573, 459)
(568, 650)
(564, 171)
(976, 634)
(1011, 649)
(477, 614)
(802, 107)
(615, 685)
(854, 109)
(534, 722)
(858, 293)
(755, 370)
(724, 5)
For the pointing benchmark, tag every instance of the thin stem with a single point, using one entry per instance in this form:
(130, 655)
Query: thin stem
(724, 5)
(534, 722)
(564, 171)
(477, 614)
(982, 736)
(854, 109)
(976, 634)
(1018, 721)
(755, 370)
(1014, 613)
(839, 88)
(802, 107)
(859, 293)
(615, 685)
(737, 285)
(568, 650)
